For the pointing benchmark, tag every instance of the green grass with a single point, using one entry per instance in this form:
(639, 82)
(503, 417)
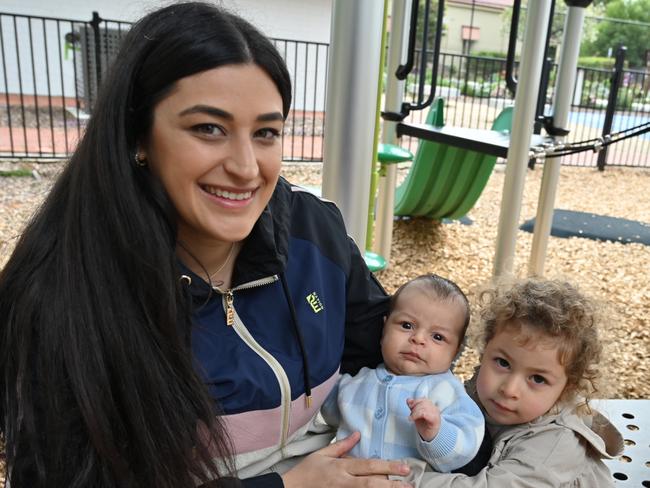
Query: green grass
(15, 172)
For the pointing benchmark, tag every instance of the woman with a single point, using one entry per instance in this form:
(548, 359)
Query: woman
(175, 313)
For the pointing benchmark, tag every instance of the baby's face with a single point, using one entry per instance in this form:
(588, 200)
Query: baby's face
(521, 376)
(422, 334)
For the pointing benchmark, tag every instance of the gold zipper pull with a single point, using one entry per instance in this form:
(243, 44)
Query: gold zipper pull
(230, 309)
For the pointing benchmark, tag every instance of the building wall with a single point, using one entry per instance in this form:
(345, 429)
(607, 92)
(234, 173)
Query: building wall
(493, 31)
(41, 63)
(292, 19)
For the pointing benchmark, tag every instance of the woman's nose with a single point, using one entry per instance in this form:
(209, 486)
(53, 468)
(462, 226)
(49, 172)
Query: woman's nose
(242, 161)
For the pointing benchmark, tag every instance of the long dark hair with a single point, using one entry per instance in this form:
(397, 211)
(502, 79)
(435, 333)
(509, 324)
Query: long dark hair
(98, 386)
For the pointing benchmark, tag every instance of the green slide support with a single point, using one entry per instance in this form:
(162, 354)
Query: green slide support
(445, 181)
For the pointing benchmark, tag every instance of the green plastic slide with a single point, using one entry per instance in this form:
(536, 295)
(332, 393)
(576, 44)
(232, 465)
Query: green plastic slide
(445, 181)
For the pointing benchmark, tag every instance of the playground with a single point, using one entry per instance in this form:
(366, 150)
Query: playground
(487, 240)
(615, 273)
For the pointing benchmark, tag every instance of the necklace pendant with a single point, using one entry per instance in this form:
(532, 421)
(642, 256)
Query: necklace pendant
(230, 309)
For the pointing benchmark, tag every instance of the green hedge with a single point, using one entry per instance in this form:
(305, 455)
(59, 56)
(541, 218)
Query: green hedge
(596, 62)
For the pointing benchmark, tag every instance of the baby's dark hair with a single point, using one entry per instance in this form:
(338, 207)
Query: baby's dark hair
(440, 289)
(556, 309)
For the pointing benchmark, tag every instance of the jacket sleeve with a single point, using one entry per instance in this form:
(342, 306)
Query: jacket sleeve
(330, 408)
(367, 305)
(546, 459)
(271, 480)
(461, 432)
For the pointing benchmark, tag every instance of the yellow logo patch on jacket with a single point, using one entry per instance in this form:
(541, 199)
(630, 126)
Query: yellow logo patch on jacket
(314, 302)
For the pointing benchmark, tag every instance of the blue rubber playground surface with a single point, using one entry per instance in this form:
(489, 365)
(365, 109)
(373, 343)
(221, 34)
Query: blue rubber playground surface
(569, 223)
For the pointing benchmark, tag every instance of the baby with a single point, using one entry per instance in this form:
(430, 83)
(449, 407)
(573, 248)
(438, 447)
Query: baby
(536, 375)
(412, 405)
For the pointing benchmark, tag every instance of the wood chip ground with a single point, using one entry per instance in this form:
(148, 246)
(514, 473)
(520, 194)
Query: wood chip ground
(616, 274)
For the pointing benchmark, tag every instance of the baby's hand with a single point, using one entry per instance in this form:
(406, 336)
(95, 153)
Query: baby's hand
(426, 417)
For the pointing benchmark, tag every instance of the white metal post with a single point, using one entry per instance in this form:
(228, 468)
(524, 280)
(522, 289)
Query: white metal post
(350, 109)
(532, 57)
(565, 84)
(400, 15)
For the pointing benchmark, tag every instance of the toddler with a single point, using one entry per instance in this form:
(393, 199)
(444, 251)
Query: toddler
(412, 405)
(536, 375)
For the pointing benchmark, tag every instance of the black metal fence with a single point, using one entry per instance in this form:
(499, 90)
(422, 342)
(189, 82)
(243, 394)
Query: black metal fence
(474, 89)
(50, 69)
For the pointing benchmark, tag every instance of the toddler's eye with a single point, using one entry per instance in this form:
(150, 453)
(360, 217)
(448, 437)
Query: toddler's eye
(438, 337)
(407, 325)
(538, 380)
(502, 363)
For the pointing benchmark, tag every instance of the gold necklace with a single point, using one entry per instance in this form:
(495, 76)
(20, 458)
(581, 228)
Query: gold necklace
(219, 283)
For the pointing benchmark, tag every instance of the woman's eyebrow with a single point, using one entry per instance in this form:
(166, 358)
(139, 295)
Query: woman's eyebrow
(207, 109)
(217, 112)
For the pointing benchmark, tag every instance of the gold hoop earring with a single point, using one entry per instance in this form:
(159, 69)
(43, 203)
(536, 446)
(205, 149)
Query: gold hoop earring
(140, 162)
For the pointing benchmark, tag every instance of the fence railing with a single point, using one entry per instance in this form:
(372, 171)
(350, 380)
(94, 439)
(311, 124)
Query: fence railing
(474, 89)
(50, 69)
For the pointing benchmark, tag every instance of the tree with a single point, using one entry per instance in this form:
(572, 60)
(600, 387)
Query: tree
(635, 35)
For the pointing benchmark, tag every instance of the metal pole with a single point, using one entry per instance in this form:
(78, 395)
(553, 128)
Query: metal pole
(397, 45)
(94, 24)
(374, 176)
(532, 58)
(565, 85)
(617, 77)
(350, 110)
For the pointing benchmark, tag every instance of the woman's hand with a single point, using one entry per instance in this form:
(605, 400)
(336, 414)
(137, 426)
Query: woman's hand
(328, 468)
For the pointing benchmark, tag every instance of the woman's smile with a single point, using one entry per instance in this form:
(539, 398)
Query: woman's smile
(229, 198)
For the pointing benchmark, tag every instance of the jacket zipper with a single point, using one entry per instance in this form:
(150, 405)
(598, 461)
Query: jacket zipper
(233, 320)
(230, 297)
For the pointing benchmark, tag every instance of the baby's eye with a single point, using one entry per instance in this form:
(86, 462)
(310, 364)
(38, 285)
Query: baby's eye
(438, 337)
(502, 363)
(538, 380)
(407, 325)
(209, 129)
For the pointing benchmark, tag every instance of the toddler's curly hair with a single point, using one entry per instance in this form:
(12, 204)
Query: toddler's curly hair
(555, 309)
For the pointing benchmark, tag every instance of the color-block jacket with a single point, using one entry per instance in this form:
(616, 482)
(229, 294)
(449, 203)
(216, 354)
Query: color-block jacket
(303, 307)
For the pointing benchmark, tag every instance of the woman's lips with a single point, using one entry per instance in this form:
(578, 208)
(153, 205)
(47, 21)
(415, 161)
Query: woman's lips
(229, 198)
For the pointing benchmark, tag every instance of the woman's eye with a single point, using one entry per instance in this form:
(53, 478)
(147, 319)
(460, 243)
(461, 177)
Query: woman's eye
(502, 363)
(268, 133)
(438, 337)
(209, 129)
(407, 325)
(538, 380)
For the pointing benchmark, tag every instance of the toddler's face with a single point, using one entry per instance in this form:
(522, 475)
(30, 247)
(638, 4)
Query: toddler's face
(521, 376)
(422, 334)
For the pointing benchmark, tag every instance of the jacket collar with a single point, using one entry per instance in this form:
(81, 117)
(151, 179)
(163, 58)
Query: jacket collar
(265, 251)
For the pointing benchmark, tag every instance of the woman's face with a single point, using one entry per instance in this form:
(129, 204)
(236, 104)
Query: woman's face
(215, 145)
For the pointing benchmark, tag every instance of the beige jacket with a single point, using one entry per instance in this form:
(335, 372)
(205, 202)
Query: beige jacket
(559, 450)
